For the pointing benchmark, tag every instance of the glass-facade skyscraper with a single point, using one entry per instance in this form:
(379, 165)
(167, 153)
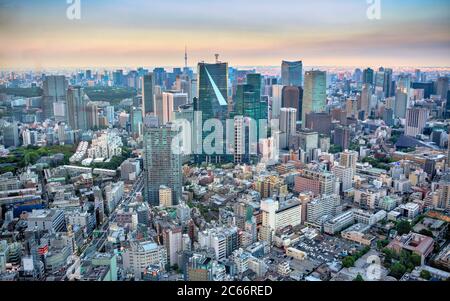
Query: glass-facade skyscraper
(148, 91)
(315, 93)
(292, 73)
(212, 102)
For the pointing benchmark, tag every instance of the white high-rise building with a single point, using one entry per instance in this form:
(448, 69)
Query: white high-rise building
(277, 97)
(345, 175)
(416, 119)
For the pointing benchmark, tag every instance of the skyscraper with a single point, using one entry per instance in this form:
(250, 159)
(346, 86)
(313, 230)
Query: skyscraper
(364, 100)
(292, 97)
(314, 95)
(148, 85)
(404, 83)
(277, 97)
(401, 103)
(292, 73)
(136, 120)
(416, 118)
(11, 135)
(212, 101)
(92, 113)
(54, 90)
(368, 76)
(287, 124)
(349, 159)
(442, 87)
(76, 108)
(387, 85)
(161, 165)
(342, 137)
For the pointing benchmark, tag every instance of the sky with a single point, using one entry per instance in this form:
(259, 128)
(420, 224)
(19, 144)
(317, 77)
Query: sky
(117, 33)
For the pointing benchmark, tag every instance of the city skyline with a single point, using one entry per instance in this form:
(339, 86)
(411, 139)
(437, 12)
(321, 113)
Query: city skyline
(154, 33)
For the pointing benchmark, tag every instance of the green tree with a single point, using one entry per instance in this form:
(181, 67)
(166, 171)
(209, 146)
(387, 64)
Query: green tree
(358, 278)
(416, 260)
(397, 270)
(382, 243)
(425, 275)
(426, 232)
(348, 262)
(403, 227)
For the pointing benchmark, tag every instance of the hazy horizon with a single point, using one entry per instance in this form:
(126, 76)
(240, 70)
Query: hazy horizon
(38, 35)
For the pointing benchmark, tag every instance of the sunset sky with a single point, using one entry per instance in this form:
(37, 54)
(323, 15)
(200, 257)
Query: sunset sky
(37, 34)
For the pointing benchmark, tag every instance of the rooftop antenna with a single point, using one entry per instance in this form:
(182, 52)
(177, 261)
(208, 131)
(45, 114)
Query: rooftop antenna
(217, 57)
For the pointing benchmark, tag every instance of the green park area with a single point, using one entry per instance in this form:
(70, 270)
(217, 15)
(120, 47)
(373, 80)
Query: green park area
(114, 95)
(24, 156)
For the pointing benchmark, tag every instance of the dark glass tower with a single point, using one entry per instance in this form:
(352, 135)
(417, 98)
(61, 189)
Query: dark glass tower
(368, 76)
(212, 101)
(161, 165)
(148, 88)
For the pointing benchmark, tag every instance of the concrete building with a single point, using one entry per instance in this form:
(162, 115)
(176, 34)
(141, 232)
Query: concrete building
(47, 220)
(416, 119)
(141, 254)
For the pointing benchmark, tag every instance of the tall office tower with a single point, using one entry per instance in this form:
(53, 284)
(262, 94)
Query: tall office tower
(416, 119)
(292, 97)
(212, 102)
(404, 83)
(244, 143)
(349, 159)
(388, 116)
(447, 108)
(288, 118)
(400, 104)
(428, 88)
(255, 80)
(417, 75)
(118, 78)
(387, 82)
(379, 79)
(277, 99)
(448, 156)
(292, 73)
(161, 165)
(77, 108)
(11, 135)
(315, 93)
(110, 114)
(88, 74)
(357, 75)
(92, 114)
(54, 91)
(246, 101)
(136, 120)
(442, 87)
(364, 100)
(168, 103)
(160, 76)
(342, 136)
(368, 76)
(148, 91)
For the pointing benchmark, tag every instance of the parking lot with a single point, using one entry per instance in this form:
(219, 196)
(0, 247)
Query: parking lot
(326, 249)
